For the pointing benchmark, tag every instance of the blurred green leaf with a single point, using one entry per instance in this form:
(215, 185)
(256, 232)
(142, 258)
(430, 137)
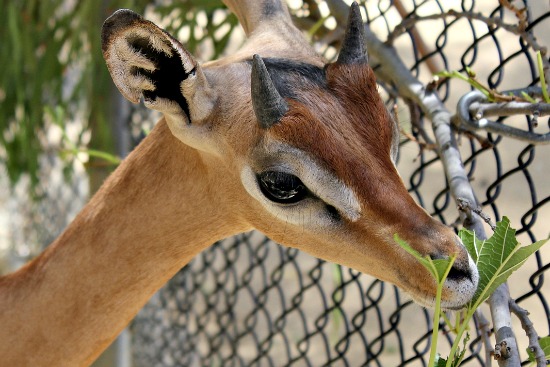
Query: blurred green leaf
(50, 54)
(545, 346)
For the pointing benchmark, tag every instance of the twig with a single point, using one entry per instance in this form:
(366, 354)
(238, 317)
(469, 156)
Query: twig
(421, 145)
(427, 144)
(527, 94)
(527, 325)
(420, 44)
(520, 13)
(416, 121)
(483, 141)
(465, 205)
(485, 330)
(491, 22)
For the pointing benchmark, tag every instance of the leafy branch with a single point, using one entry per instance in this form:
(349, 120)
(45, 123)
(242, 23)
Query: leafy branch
(57, 116)
(440, 269)
(493, 22)
(493, 95)
(496, 259)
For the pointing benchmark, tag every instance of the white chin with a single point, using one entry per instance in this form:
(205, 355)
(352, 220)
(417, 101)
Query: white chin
(461, 292)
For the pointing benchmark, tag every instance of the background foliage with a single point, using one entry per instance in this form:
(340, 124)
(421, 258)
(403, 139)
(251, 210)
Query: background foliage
(53, 71)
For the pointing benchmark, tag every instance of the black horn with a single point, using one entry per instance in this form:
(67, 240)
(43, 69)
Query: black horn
(353, 49)
(269, 106)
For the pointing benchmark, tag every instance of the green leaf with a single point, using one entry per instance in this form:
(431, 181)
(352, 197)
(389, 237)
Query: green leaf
(496, 258)
(440, 362)
(460, 353)
(438, 268)
(545, 345)
(469, 239)
(542, 79)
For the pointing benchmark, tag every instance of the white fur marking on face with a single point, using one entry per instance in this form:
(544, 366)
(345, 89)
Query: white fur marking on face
(321, 183)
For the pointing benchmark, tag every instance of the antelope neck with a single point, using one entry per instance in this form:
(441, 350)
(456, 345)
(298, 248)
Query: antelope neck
(150, 218)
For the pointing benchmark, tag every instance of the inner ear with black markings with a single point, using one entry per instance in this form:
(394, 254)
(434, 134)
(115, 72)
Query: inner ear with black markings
(167, 75)
(146, 62)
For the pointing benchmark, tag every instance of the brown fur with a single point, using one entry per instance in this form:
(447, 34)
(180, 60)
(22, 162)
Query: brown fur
(65, 307)
(349, 130)
(182, 190)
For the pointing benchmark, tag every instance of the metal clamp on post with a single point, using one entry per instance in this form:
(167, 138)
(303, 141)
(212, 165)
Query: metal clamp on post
(473, 109)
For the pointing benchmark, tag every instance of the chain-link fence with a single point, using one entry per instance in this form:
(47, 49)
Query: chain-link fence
(249, 302)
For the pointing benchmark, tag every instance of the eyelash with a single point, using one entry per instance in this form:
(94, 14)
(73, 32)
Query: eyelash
(282, 187)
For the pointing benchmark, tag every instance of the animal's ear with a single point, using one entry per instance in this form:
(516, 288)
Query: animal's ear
(145, 61)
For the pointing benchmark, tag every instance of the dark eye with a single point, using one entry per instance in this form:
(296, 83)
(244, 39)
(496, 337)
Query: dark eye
(282, 187)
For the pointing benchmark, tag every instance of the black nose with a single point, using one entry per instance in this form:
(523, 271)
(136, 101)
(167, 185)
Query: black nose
(459, 272)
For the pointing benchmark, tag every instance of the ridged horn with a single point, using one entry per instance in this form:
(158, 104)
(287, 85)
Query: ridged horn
(269, 106)
(353, 49)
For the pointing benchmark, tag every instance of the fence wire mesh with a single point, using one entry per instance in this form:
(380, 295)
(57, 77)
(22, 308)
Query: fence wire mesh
(247, 301)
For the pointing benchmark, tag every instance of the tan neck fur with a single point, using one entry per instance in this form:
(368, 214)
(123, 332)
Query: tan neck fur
(135, 234)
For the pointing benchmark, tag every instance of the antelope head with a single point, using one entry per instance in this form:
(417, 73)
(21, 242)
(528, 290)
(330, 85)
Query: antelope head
(303, 151)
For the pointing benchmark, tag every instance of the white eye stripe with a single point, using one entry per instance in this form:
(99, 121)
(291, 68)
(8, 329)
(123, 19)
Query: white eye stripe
(306, 213)
(320, 182)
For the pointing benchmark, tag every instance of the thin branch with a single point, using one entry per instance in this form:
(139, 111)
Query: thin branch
(527, 325)
(485, 330)
(491, 22)
(420, 44)
(521, 14)
(421, 145)
(416, 121)
(465, 205)
(472, 135)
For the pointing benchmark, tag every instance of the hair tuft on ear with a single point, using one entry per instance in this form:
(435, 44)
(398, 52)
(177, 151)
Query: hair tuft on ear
(147, 63)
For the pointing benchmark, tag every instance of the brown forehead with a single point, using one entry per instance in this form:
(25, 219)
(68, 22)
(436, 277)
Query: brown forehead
(343, 124)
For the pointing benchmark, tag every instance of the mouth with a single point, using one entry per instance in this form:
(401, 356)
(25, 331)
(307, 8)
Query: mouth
(459, 289)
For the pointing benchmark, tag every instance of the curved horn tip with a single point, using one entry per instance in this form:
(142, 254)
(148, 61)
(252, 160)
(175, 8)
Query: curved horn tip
(269, 106)
(353, 49)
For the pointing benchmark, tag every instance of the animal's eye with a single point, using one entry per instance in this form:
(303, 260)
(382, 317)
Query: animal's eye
(282, 187)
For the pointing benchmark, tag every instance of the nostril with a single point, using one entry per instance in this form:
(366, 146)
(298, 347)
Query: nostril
(459, 274)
